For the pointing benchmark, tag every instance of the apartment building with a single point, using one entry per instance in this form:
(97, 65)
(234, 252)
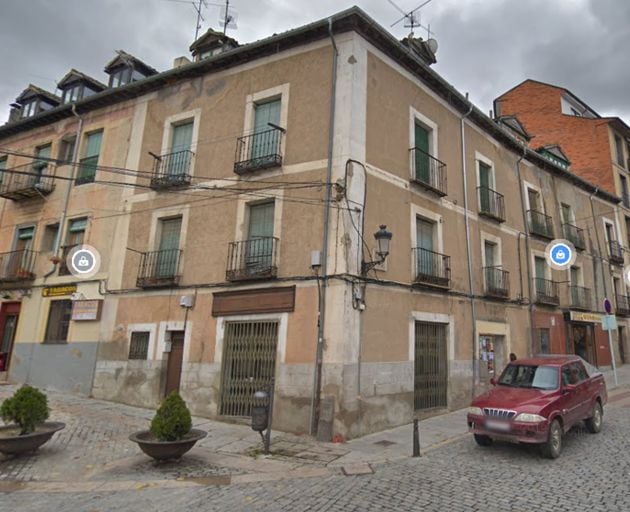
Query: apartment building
(322, 211)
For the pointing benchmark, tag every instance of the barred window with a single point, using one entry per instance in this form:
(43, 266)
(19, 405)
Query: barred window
(139, 345)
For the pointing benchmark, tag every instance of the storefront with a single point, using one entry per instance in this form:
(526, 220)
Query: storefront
(9, 313)
(586, 338)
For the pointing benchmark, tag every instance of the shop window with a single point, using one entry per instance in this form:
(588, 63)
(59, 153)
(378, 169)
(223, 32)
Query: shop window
(59, 316)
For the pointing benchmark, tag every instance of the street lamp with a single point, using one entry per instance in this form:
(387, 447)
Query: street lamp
(383, 239)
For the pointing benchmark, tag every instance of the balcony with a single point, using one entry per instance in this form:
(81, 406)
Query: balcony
(615, 250)
(63, 267)
(172, 170)
(497, 282)
(159, 269)
(547, 291)
(623, 305)
(252, 259)
(258, 151)
(574, 235)
(428, 171)
(540, 224)
(27, 181)
(491, 204)
(580, 297)
(432, 268)
(17, 266)
(86, 170)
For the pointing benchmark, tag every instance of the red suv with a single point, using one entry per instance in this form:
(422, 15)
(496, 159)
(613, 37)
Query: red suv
(537, 400)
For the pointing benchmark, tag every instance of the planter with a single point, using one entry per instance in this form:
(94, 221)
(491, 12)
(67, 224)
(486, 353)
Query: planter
(166, 450)
(16, 444)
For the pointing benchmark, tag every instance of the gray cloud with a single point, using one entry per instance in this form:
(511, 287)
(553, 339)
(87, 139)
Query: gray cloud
(485, 47)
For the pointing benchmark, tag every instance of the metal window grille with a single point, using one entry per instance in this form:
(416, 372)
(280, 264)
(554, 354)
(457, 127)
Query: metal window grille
(431, 368)
(249, 361)
(139, 345)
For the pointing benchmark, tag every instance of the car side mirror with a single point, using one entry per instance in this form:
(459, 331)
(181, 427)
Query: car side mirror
(493, 381)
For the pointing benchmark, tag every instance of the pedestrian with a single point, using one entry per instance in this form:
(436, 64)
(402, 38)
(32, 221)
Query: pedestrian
(512, 356)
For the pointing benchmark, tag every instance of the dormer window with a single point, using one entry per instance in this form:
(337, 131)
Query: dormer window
(76, 86)
(72, 94)
(210, 44)
(125, 69)
(33, 101)
(29, 109)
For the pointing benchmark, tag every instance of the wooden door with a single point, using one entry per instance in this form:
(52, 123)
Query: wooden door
(8, 326)
(174, 365)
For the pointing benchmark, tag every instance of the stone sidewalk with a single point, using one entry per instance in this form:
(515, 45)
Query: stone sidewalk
(93, 451)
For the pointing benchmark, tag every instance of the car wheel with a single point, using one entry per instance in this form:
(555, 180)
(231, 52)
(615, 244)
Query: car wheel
(482, 440)
(552, 448)
(594, 423)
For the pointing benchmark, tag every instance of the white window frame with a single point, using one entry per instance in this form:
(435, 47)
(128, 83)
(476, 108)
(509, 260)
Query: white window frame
(151, 329)
(495, 240)
(480, 158)
(436, 318)
(580, 275)
(548, 275)
(526, 186)
(167, 134)
(419, 211)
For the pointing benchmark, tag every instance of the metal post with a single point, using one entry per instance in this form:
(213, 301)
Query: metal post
(268, 433)
(612, 356)
(416, 438)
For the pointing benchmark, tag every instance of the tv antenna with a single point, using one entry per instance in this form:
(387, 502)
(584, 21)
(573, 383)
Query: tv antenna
(413, 19)
(198, 7)
(227, 18)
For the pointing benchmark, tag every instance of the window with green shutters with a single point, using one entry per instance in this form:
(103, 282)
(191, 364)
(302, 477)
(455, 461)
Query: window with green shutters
(421, 156)
(260, 243)
(265, 138)
(425, 261)
(3, 166)
(179, 158)
(87, 165)
(40, 165)
(540, 265)
(486, 186)
(168, 255)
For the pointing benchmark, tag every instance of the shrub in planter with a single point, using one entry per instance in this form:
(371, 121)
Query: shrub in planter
(172, 420)
(27, 408)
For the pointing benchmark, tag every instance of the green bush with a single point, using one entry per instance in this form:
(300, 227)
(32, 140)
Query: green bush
(27, 408)
(172, 420)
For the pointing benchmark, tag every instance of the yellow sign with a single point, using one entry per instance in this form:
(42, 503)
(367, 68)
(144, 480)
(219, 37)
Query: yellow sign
(586, 317)
(59, 291)
(85, 310)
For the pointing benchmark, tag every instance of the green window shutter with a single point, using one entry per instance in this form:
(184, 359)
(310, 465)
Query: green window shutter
(424, 234)
(484, 175)
(168, 256)
(182, 137)
(261, 220)
(77, 225)
(566, 214)
(265, 113)
(3, 165)
(490, 252)
(26, 233)
(40, 166)
(93, 144)
(421, 137)
(539, 267)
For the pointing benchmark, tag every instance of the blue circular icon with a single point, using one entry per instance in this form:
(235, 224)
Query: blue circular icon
(560, 254)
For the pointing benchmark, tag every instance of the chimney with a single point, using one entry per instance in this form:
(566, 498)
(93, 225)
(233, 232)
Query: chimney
(181, 61)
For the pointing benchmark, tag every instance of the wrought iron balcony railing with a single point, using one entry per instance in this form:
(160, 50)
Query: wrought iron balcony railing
(497, 282)
(432, 268)
(580, 297)
(17, 266)
(159, 269)
(260, 150)
(428, 171)
(27, 181)
(574, 235)
(547, 291)
(615, 250)
(252, 259)
(86, 172)
(623, 305)
(172, 170)
(491, 204)
(540, 224)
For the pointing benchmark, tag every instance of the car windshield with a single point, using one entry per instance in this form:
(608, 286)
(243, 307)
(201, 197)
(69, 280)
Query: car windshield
(530, 376)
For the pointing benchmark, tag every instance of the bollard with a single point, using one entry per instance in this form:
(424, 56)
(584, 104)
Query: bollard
(416, 438)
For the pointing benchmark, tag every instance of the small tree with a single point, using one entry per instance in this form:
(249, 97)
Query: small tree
(172, 420)
(27, 408)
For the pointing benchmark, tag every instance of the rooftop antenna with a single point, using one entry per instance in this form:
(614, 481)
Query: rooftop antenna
(228, 17)
(199, 5)
(413, 19)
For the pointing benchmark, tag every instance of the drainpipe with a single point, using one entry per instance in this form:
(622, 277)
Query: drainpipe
(527, 252)
(317, 385)
(64, 212)
(475, 372)
(599, 246)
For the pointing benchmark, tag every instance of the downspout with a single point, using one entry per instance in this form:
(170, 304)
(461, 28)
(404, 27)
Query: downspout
(64, 212)
(317, 385)
(527, 252)
(475, 366)
(599, 246)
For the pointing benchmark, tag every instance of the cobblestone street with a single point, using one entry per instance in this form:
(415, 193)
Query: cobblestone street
(92, 469)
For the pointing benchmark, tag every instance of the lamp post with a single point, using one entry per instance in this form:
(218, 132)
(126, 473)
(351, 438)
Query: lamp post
(383, 240)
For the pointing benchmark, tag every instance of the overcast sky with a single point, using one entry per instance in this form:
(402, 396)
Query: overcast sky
(485, 46)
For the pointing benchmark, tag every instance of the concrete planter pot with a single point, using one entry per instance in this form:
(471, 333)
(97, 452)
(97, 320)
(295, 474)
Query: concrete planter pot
(16, 444)
(166, 450)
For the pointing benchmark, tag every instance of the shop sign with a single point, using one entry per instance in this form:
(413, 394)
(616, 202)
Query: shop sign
(586, 317)
(85, 310)
(59, 291)
(609, 323)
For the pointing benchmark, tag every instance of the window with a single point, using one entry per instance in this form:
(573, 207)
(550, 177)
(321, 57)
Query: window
(50, 236)
(628, 229)
(619, 150)
(120, 77)
(40, 165)
(265, 114)
(24, 238)
(567, 213)
(490, 250)
(179, 159)
(624, 191)
(576, 113)
(29, 109)
(72, 93)
(76, 231)
(543, 341)
(617, 286)
(139, 345)
(610, 232)
(3, 166)
(534, 200)
(168, 251)
(540, 273)
(260, 242)
(66, 149)
(87, 165)
(59, 316)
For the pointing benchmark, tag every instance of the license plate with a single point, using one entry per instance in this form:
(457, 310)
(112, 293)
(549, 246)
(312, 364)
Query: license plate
(497, 425)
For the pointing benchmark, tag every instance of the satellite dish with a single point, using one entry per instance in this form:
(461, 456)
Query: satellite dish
(432, 44)
(228, 18)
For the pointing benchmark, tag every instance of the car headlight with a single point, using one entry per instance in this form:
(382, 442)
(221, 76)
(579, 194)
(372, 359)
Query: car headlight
(526, 417)
(475, 411)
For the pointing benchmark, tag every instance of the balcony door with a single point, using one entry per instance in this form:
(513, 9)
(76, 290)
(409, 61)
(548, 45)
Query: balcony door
(168, 254)
(486, 184)
(259, 253)
(540, 266)
(574, 276)
(421, 140)
(40, 166)
(179, 159)
(20, 262)
(425, 256)
(264, 142)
